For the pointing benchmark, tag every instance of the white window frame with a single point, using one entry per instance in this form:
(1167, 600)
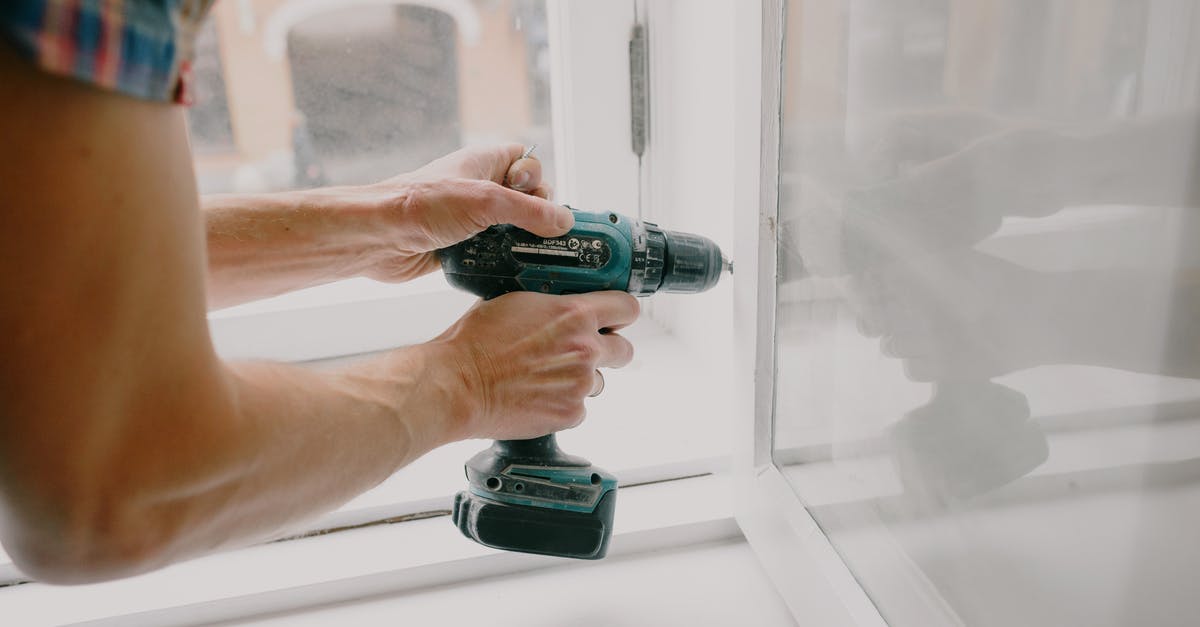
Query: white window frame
(808, 573)
(349, 564)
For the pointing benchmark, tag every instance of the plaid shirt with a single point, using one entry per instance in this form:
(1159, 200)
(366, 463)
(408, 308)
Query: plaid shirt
(142, 48)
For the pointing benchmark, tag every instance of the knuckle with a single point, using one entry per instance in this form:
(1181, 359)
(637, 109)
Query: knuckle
(577, 313)
(415, 199)
(585, 355)
(488, 191)
(582, 383)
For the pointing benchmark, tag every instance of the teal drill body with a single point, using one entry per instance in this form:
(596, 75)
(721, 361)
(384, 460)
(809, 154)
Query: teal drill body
(602, 249)
(527, 495)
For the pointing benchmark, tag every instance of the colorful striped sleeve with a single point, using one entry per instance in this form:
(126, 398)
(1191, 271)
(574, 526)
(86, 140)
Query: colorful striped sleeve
(142, 48)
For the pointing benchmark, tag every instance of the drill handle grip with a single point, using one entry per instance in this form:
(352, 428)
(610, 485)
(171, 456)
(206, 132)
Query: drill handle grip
(541, 451)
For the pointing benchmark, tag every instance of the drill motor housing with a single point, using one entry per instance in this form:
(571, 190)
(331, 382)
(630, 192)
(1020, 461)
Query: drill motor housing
(603, 251)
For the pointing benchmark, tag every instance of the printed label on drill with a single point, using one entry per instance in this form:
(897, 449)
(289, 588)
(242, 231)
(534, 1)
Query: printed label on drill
(570, 251)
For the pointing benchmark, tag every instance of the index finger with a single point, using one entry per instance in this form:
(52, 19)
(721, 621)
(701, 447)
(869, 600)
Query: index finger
(613, 309)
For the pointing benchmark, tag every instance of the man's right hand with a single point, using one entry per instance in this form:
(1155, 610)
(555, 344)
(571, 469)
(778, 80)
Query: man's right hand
(525, 361)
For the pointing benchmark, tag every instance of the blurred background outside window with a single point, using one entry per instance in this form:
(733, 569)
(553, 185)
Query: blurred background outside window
(293, 94)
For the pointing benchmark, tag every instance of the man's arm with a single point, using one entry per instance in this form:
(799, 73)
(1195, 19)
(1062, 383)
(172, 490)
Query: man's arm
(125, 443)
(262, 245)
(267, 244)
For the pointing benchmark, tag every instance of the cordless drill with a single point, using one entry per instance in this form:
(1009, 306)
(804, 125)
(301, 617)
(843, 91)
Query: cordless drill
(527, 495)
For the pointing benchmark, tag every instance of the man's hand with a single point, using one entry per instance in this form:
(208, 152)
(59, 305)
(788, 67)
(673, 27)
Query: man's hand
(458, 196)
(528, 360)
(269, 244)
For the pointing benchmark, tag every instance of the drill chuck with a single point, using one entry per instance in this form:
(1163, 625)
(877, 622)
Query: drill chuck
(691, 263)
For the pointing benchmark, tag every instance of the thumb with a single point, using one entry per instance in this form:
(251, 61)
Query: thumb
(524, 175)
(536, 215)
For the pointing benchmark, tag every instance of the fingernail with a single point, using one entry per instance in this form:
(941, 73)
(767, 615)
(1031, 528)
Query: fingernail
(565, 219)
(520, 179)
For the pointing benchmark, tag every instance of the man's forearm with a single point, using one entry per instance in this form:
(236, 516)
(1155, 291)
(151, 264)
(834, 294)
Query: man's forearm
(309, 441)
(237, 454)
(268, 244)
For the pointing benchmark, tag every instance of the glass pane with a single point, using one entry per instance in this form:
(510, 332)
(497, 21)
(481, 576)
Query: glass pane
(299, 94)
(988, 323)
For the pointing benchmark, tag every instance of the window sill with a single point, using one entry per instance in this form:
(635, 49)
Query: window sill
(353, 564)
(353, 317)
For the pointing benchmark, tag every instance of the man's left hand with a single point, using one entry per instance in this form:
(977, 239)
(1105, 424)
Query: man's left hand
(456, 197)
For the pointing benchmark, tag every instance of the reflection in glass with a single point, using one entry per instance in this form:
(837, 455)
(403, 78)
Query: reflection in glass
(295, 93)
(988, 317)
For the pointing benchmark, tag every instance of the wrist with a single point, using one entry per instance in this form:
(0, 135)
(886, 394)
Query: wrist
(423, 390)
(453, 381)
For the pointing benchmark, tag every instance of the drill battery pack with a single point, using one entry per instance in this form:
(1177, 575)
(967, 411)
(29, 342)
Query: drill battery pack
(545, 531)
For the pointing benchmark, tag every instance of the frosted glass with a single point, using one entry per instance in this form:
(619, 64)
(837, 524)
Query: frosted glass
(988, 317)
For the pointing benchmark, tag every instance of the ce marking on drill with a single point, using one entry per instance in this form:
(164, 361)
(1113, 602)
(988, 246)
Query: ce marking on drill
(572, 251)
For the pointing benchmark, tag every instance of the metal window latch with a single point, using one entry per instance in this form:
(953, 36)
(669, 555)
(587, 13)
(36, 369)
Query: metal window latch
(639, 105)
